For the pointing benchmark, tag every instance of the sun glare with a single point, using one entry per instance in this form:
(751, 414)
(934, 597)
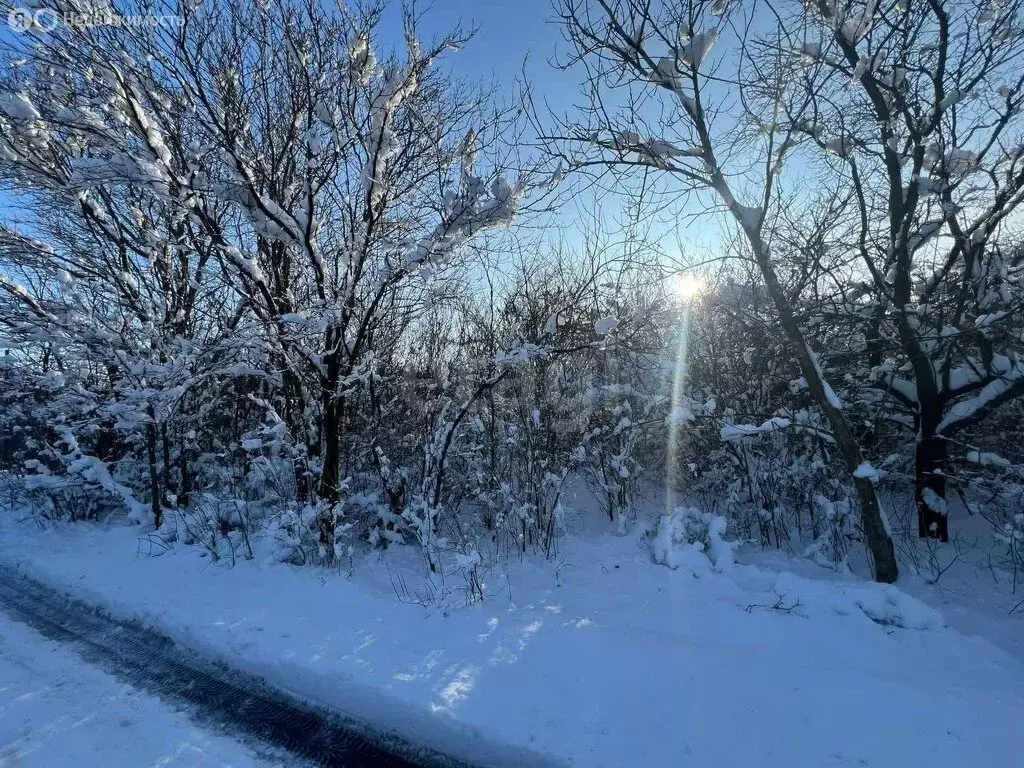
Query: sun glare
(689, 285)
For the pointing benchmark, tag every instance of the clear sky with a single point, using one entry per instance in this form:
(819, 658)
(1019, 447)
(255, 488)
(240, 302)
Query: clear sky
(510, 31)
(517, 39)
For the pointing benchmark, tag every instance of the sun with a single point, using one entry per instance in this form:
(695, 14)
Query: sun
(689, 286)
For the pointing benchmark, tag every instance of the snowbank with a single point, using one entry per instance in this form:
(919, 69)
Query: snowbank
(687, 537)
(602, 658)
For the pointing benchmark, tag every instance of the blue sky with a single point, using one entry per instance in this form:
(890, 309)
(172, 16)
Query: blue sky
(514, 38)
(522, 37)
(509, 32)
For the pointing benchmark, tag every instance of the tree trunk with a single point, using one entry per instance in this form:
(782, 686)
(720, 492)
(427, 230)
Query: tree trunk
(166, 465)
(883, 553)
(295, 416)
(882, 550)
(930, 485)
(333, 406)
(186, 477)
(331, 448)
(154, 476)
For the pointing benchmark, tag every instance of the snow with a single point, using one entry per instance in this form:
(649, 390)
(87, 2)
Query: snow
(627, 140)
(903, 387)
(57, 710)
(984, 321)
(739, 431)
(605, 325)
(934, 502)
(695, 540)
(693, 53)
(1010, 374)
(837, 146)
(987, 458)
(520, 354)
(667, 73)
(894, 80)
(811, 50)
(881, 603)
(951, 99)
(601, 658)
(18, 106)
(749, 217)
(830, 396)
(854, 28)
(865, 470)
(680, 414)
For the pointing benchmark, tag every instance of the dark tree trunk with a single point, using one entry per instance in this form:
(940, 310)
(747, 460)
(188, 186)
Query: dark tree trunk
(154, 475)
(166, 466)
(332, 406)
(930, 475)
(883, 553)
(294, 414)
(301, 469)
(331, 448)
(106, 442)
(186, 477)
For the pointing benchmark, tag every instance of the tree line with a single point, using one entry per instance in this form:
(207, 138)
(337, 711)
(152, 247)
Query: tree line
(263, 269)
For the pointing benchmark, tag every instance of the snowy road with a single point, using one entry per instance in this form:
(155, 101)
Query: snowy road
(57, 710)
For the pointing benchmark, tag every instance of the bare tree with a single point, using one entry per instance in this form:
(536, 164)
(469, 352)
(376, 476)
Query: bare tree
(914, 111)
(658, 99)
(280, 156)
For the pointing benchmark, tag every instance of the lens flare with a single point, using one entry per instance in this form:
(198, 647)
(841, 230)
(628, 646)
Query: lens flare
(676, 418)
(689, 285)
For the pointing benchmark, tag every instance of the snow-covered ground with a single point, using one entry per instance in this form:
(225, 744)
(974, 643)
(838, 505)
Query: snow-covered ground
(600, 658)
(56, 710)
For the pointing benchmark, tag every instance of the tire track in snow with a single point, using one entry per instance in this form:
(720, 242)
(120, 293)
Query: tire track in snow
(215, 695)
